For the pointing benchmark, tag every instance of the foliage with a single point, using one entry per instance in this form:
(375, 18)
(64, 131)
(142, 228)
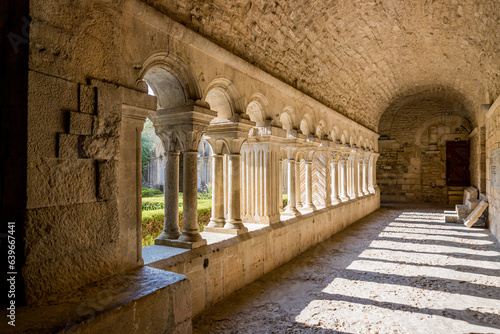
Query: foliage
(285, 200)
(205, 192)
(148, 138)
(152, 219)
(148, 192)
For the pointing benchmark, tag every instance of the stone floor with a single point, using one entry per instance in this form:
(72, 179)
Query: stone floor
(399, 270)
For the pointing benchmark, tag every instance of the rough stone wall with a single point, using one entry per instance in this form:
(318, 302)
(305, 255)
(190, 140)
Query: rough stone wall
(493, 143)
(358, 56)
(412, 162)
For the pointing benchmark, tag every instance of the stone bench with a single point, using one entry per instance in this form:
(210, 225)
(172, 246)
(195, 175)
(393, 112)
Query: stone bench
(148, 300)
(469, 203)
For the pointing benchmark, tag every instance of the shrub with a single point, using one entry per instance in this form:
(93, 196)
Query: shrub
(153, 203)
(285, 200)
(148, 192)
(152, 220)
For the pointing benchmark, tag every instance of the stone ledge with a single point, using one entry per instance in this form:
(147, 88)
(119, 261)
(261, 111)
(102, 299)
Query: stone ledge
(147, 300)
(228, 262)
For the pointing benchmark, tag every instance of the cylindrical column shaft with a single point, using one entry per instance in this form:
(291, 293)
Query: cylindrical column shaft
(217, 219)
(291, 208)
(297, 184)
(343, 180)
(234, 203)
(335, 181)
(309, 202)
(190, 215)
(171, 217)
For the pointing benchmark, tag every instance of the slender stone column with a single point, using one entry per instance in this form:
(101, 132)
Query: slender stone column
(291, 208)
(280, 185)
(309, 203)
(359, 174)
(190, 201)
(234, 203)
(335, 179)
(343, 178)
(365, 176)
(297, 184)
(217, 219)
(371, 189)
(354, 176)
(374, 172)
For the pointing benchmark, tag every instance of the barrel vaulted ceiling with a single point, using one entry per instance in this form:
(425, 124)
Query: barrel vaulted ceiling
(360, 57)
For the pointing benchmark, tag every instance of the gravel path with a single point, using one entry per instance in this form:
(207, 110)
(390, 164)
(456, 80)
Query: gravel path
(395, 271)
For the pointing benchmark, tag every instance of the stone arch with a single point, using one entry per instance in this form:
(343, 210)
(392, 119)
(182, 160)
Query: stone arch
(257, 108)
(439, 120)
(320, 129)
(343, 137)
(286, 118)
(224, 98)
(170, 78)
(306, 124)
(334, 133)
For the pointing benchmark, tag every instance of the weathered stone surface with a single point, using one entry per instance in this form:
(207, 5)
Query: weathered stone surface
(53, 182)
(68, 246)
(143, 301)
(80, 123)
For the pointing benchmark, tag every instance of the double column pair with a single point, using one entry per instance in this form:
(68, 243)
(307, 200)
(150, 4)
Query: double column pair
(181, 130)
(226, 138)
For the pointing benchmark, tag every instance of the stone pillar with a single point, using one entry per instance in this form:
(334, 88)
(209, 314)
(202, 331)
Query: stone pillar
(217, 219)
(280, 185)
(359, 174)
(190, 231)
(309, 203)
(291, 208)
(371, 189)
(229, 136)
(374, 172)
(181, 129)
(335, 178)
(234, 206)
(354, 175)
(297, 183)
(343, 177)
(365, 175)
(171, 218)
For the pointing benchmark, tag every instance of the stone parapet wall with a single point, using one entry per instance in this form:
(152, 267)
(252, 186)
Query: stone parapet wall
(222, 267)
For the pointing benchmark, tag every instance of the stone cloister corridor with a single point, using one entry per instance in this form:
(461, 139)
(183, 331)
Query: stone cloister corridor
(401, 269)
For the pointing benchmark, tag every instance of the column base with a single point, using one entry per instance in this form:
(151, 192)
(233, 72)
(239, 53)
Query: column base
(366, 193)
(226, 230)
(168, 235)
(309, 207)
(344, 199)
(293, 212)
(216, 222)
(180, 243)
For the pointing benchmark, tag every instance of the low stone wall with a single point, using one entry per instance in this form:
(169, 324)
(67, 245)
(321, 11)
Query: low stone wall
(146, 300)
(224, 266)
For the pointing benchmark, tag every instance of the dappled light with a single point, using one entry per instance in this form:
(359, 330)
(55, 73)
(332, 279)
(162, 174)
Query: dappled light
(394, 271)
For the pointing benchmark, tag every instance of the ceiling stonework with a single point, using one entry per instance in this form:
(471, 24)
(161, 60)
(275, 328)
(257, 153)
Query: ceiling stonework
(360, 57)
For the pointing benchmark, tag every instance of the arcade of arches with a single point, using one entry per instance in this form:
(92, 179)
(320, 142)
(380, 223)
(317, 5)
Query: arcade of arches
(339, 104)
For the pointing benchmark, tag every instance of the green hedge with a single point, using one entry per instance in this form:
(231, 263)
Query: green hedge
(152, 220)
(148, 192)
